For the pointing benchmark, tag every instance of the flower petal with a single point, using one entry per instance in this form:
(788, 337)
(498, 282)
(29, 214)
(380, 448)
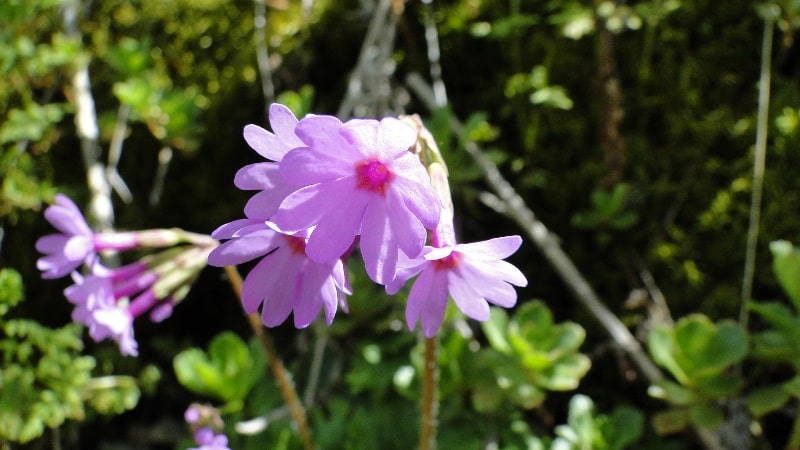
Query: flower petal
(363, 135)
(282, 293)
(245, 248)
(394, 137)
(237, 228)
(305, 166)
(266, 144)
(283, 122)
(258, 177)
(493, 249)
(315, 279)
(406, 228)
(336, 231)
(427, 302)
(323, 134)
(51, 243)
(79, 247)
(378, 246)
(493, 289)
(304, 207)
(263, 205)
(468, 301)
(501, 270)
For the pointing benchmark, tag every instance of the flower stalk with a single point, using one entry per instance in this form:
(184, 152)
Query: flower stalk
(430, 397)
(276, 365)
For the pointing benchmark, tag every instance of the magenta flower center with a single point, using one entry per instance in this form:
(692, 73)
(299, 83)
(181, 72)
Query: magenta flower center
(296, 244)
(373, 175)
(448, 262)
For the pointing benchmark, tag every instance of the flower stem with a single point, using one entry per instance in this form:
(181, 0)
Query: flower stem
(430, 400)
(276, 365)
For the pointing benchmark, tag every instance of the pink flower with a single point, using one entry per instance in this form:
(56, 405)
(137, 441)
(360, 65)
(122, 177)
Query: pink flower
(103, 302)
(285, 280)
(358, 178)
(97, 306)
(474, 275)
(76, 244)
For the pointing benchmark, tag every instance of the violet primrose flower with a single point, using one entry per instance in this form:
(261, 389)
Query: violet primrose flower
(358, 178)
(285, 280)
(474, 275)
(76, 244)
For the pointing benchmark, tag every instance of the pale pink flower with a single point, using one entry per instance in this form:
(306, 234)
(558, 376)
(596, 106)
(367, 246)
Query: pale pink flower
(474, 275)
(358, 178)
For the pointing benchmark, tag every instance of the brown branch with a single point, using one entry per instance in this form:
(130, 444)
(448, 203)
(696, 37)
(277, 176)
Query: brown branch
(278, 369)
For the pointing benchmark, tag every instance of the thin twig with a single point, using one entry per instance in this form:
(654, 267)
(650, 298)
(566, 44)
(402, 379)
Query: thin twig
(430, 400)
(275, 364)
(262, 52)
(100, 208)
(369, 77)
(115, 154)
(517, 210)
(759, 163)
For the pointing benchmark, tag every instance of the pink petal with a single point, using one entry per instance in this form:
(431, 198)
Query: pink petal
(66, 219)
(493, 249)
(493, 289)
(500, 270)
(420, 199)
(258, 177)
(304, 207)
(283, 122)
(305, 166)
(245, 248)
(363, 135)
(378, 246)
(322, 133)
(237, 228)
(406, 228)
(427, 301)
(407, 268)
(51, 243)
(336, 230)
(282, 293)
(316, 278)
(263, 205)
(265, 143)
(79, 247)
(394, 137)
(468, 301)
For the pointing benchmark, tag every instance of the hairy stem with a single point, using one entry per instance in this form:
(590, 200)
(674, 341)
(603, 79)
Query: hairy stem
(430, 399)
(275, 364)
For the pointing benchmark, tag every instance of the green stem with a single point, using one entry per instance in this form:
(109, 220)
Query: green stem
(430, 400)
(276, 365)
(759, 163)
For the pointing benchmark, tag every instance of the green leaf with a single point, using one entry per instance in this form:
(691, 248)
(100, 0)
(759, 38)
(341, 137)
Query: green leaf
(672, 392)
(671, 421)
(661, 345)
(786, 265)
(767, 399)
(565, 374)
(495, 330)
(623, 427)
(227, 372)
(706, 415)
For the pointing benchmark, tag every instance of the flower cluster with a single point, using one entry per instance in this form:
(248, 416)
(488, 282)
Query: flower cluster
(204, 420)
(108, 300)
(330, 186)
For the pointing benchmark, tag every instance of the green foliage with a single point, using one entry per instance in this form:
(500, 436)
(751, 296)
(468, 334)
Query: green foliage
(44, 379)
(586, 430)
(780, 343)
(698, 353)
(611, 211)
(529, 355)
(227, 372)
